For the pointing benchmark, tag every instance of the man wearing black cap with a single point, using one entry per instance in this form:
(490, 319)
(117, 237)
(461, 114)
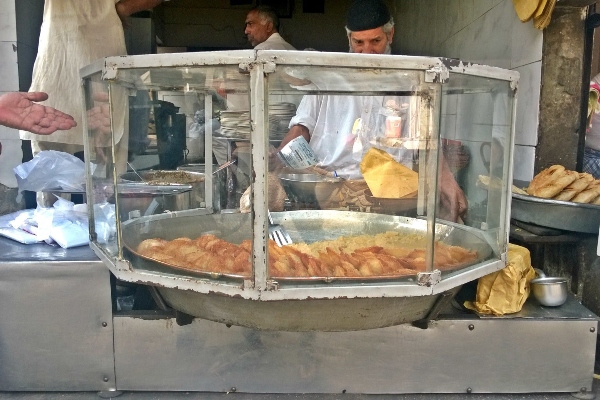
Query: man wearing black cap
(330, 122)
(370, 27)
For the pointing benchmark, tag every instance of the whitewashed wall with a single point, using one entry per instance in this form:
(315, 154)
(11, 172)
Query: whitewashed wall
(486, 32)
(9, 81)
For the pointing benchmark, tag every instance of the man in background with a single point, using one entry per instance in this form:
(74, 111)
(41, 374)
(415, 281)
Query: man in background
(262, 30)
(327, 121)
(73, 34)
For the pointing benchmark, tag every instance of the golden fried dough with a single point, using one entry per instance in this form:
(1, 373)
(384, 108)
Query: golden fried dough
(385, 254)
(555, 184)
(589, 194)
(578, 185)
(559, 183)
(544, 178)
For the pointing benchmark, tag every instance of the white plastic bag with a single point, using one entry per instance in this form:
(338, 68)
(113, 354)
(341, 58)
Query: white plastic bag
(51, 170)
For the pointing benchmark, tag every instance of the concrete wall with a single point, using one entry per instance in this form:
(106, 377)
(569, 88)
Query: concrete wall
(486, 32)
(214, 24)
(10, 71)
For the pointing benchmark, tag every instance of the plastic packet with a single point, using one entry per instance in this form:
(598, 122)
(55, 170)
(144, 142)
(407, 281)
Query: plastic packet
(5, 220)
(69, 229)
(19, 236)
(62, 204)
(297, 154)
(51, 170)
(105, 222)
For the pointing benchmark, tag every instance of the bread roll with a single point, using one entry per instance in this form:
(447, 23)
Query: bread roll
(555, 185)
(579, 185)
(544, 177)
(589, 194)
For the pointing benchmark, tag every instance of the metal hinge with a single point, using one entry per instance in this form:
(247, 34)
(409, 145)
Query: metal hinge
(272, 285)
(429, 278)
(245, 67)
(437, 74)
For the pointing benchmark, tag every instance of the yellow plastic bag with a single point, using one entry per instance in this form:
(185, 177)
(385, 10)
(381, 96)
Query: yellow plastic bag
(505, 291)
(386, 177)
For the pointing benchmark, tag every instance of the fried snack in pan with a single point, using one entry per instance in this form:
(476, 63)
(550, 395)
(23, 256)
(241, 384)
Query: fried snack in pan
(578, 186)
(556, 185)
(349, 257)
(544, 178)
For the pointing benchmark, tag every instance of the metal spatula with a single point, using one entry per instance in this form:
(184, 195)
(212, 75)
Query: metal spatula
(277, 233)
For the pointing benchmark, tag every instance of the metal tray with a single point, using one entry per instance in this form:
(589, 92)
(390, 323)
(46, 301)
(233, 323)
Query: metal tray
(310, 227)
(310, 314)
(564, 215)
(402, 206)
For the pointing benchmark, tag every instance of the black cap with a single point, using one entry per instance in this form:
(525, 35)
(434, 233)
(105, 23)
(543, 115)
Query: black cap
(367, 14)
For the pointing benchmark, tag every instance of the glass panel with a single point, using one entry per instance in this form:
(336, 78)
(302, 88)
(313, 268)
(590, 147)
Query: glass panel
(475, 127)
(352, 202)
(99, 159)
(165, 124)
(367, 199)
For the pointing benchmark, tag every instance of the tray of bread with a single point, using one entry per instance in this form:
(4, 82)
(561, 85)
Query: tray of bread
(561, 199)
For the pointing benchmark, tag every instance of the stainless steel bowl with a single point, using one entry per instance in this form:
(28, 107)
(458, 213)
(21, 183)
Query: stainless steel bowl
(309, 188)
(549, 291)
(186, 192)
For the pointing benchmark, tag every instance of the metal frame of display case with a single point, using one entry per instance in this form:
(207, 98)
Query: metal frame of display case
(258, 64)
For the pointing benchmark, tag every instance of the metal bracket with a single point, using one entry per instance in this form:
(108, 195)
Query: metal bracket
(429, 278)
(248, 284)
(160, 302)
(109, 73)
(123, 265)
(245, 67)
(269, 67)
(437, 74)
(272, 285)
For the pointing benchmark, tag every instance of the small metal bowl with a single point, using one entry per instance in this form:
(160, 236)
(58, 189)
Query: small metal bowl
(309, 188)
(549, 291)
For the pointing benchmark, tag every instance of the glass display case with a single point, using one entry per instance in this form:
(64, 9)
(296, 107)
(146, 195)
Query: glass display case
(390, 174)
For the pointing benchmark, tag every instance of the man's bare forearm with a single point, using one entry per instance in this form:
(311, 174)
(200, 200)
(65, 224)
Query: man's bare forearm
(293, 133)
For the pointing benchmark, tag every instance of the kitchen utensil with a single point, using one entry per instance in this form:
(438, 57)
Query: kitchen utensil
(549, 291)
(170, 189)
(401, 206)
(309, 188)
(225, 165)
(305, 226)
(277, 233)
(135, 172)
(564, 215)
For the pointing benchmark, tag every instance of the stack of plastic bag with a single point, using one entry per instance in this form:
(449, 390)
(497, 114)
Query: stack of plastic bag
(64, 224)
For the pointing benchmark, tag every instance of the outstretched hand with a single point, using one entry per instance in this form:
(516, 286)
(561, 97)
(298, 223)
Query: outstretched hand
(18, 110)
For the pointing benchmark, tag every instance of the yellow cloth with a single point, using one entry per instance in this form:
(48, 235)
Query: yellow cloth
(505, 291)
(386, 177)
(542, 20)
(526, 9)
